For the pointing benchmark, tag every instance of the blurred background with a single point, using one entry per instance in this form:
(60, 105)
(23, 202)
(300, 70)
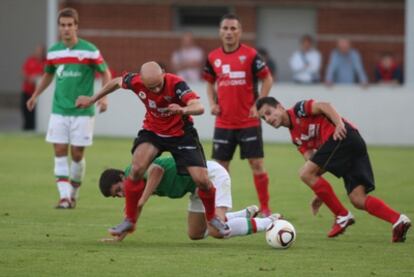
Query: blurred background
(130, 32)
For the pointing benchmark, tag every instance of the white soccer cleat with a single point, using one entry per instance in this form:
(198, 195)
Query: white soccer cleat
(276, 216)
(252, 211)
(400, 228)
(64, 203)
(221, 226)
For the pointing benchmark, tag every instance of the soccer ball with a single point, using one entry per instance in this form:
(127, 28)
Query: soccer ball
(280, 234)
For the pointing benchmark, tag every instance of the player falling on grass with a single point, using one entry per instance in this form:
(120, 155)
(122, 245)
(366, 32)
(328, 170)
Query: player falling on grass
(162, 179)
(330, 143)
(168, 126)
(74, 61)
(232, 73)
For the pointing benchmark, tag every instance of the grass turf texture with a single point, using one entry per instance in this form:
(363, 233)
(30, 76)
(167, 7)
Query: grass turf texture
(38, 240)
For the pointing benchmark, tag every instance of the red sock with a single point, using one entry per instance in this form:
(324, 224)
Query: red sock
(378, 208)
(261, 182)
(133, 191)
(325, 192)
(208, 197)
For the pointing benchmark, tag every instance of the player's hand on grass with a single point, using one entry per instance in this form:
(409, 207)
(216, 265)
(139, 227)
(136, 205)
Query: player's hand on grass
(102, 105)
(340, 131)
(83, 102)
(316, 204)
(115, 238)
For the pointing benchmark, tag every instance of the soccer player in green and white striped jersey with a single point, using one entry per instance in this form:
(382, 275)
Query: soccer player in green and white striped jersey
(162, 179)
(74, 62)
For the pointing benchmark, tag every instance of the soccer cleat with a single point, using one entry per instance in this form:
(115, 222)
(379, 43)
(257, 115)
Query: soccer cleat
(252, 211)
(125, 226)
(72, 203)
(400, 228)
(340, 225)
(275, 217)
(265, 212)
(64, 203)
(222, 227)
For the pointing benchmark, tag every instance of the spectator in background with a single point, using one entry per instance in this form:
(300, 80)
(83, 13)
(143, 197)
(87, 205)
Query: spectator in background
(188, 60)
(305, 63)
(345, 65)
(271, 64)
(32, 71)
(388, 71)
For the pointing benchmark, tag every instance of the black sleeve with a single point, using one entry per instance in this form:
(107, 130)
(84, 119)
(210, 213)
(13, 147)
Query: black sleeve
(127, 79)
(181, 89)
(208, 69)
(300, 109)
(258, 64)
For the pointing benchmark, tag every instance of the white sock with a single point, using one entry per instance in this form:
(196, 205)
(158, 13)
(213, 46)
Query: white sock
(236, 214)
(263, 223)
(65, 189)
(245, 226)
(77, 172)
(61, 171)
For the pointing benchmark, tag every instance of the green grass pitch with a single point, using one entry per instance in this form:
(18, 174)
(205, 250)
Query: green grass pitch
(38, 240)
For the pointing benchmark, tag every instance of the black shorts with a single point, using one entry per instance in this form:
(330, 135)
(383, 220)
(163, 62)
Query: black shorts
(347, 158)
(225, 142)
(186, 150)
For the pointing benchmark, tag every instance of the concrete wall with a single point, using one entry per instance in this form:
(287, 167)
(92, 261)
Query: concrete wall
(383, 114)
(22, 28)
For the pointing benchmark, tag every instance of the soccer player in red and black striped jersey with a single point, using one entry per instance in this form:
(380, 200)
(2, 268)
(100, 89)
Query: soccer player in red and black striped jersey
(232, 73)
(168, 126)
(330, 143)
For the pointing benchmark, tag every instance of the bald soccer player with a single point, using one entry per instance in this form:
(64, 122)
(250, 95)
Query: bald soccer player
(167, 126)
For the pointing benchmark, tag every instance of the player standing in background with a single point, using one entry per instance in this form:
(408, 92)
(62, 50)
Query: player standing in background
(330, 143)
(162, 179)
(168, 126)
(232, 73)
(74, 61)
(32, 70)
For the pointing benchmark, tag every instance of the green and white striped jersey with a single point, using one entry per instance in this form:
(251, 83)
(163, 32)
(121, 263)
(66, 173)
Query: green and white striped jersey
(75, 74)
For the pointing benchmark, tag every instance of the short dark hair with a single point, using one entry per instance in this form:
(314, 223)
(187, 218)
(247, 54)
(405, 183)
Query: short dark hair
(108, 178)
(307, 37)
(69, 12)
(268, 100)
(230, 16)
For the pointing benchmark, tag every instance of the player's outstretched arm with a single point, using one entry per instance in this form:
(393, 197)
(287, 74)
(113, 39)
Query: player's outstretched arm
(329, 111)
(103, 102)
(45, 81)
(154, 177)
(111, 86)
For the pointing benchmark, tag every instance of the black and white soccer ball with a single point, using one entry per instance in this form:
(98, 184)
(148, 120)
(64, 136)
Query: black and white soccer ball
(280, 234)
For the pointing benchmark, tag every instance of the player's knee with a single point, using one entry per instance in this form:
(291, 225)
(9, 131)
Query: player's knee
(305, 175)
(137, 171)
(257, 166)
(202, 182)
(195, 236)
(358, 201)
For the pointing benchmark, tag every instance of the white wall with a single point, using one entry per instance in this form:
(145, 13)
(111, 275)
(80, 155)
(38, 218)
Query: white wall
(383, 114)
